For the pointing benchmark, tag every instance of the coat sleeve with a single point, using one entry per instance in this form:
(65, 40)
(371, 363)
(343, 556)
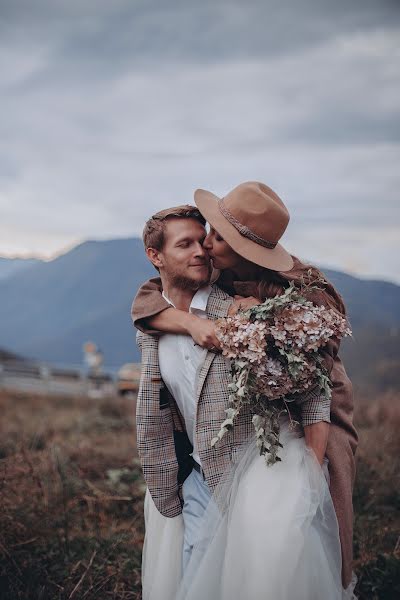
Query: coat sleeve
(155, 435)
(147, 303)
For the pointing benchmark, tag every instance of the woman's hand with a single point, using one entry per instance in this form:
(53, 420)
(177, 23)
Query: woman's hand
(203, 332)
(242, 303)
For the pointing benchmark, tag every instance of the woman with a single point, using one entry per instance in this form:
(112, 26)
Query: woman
(243, 243)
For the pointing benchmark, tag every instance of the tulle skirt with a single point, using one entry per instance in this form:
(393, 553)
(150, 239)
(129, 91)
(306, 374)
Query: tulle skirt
(269, 533)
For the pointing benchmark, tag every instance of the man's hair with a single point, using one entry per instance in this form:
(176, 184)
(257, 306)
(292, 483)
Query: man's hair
(154, 230)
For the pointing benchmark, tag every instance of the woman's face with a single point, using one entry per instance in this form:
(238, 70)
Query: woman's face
(221, 254)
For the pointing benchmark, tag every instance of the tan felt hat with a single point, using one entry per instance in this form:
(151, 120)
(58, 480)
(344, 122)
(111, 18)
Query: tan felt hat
(251, 219)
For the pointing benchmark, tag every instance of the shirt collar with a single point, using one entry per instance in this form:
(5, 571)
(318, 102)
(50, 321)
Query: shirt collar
(199, 300)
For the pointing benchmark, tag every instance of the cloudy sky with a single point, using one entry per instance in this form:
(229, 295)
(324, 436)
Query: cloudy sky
(112, 110)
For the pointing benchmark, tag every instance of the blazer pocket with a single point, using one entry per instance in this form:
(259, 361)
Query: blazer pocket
(164, 398)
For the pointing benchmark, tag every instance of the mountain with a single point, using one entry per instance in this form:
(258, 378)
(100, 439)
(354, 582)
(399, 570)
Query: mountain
(11, 266)
(51, 308)
(368, 302)
(372, 359)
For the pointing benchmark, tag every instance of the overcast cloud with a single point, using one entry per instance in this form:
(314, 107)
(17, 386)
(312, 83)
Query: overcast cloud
(114, 110)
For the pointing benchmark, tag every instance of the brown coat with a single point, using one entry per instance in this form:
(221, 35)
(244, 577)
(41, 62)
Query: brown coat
(342, 440)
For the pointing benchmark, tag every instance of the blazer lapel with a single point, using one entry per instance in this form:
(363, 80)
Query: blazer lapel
(204, 372)
(217, 307)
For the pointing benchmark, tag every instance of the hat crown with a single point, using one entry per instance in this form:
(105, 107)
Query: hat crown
(251, 219)
(257, 207)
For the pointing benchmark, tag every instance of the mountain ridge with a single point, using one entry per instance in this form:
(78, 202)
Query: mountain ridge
(51, 308)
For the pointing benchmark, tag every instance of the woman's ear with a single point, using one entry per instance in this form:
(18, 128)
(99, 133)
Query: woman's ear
(155, 256)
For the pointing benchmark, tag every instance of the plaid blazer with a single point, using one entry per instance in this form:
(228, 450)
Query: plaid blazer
(162, 442)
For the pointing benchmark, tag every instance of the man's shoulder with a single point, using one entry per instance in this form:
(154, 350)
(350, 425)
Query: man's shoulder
(218, 303)
(144, 340)
(217, 292)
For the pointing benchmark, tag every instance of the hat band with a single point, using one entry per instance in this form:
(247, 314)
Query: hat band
(245, 231)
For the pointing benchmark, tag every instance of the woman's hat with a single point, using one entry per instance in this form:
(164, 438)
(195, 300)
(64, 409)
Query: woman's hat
(251, 219)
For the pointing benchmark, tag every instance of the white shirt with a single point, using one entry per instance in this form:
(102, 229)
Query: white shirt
(180, 363)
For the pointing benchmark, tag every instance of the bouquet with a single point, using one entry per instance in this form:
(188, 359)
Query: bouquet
(274, 349)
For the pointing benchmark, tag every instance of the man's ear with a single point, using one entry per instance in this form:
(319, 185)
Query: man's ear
(155, 256)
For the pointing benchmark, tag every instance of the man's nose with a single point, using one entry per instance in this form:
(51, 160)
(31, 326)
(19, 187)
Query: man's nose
(200, 251)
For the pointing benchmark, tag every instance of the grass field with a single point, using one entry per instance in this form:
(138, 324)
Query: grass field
(71, 499)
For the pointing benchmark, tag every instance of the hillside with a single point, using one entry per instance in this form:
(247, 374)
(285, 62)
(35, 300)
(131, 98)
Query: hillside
(52, 308)
(12, 266)
(49, 309)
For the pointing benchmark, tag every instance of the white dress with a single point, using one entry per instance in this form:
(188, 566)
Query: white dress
(276, 538)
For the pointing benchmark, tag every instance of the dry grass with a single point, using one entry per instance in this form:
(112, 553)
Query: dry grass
(377, 498)
(71, 499)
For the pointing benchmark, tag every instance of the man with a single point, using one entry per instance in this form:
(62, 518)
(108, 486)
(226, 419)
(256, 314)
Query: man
(183, 391)
(175, 369)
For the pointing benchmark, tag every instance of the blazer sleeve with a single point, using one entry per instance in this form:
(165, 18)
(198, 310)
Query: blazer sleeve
(147, 303)
(155, 434)
(314, 408)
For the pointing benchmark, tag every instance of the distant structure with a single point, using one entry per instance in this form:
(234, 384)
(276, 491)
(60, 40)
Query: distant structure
(128, 379)
(93, 358)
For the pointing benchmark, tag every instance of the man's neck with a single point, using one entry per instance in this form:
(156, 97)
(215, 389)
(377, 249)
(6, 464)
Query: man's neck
(181, 298)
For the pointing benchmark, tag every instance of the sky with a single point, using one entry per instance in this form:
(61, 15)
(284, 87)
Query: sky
(112, 111)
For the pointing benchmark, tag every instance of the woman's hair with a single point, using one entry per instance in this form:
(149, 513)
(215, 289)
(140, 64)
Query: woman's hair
(274, 282)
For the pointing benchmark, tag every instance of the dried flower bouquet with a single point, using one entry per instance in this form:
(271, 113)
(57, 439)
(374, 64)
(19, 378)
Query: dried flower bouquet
(275, 351)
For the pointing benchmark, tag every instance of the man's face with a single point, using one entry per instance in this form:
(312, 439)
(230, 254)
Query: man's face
(183, 260)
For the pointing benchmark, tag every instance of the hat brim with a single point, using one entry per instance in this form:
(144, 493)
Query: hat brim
(277, 259)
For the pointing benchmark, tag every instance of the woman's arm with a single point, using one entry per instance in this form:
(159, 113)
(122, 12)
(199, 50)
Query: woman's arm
(316, 436)
(147, 303)
(173, 320)
(316, 409)
(152, 314)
